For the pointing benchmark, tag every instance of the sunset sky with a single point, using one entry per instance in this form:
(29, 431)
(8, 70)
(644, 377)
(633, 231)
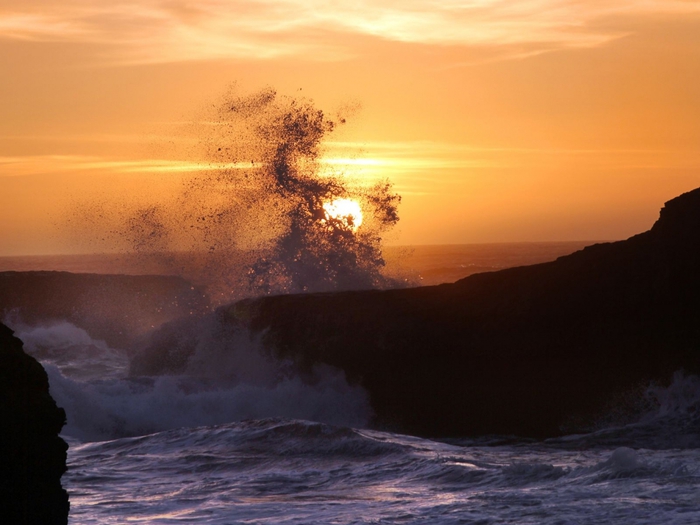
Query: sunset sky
(496, 120)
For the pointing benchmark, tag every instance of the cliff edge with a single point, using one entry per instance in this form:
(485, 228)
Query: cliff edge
(32, 455)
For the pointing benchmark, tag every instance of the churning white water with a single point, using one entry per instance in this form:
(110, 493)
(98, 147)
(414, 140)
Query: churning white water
(90, 381)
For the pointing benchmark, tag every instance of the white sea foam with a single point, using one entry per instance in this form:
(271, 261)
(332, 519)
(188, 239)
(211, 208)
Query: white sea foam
(280, 471)
(680, 398)
(224, 383)
(101, 410)
(72, 350)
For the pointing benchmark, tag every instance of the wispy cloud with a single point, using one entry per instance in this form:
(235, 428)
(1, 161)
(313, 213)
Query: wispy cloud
(176, 30)
(376, 166)
(420, 160)
(403, 162)
(14, 166)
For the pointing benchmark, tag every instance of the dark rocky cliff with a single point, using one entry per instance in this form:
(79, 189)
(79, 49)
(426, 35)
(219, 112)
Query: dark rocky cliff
(519, 351)
(32, 455)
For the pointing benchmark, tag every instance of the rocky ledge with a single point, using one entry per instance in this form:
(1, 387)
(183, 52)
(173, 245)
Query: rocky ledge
(32, 455)
(531, 351)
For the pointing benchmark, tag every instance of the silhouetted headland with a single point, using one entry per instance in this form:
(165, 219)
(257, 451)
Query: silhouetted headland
(520, 351)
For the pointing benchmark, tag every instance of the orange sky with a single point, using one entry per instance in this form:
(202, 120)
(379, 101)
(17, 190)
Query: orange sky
(496, 120)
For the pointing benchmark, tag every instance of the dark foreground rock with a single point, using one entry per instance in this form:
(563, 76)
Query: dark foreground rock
(32, 456)
(521, 351)
(118, 309)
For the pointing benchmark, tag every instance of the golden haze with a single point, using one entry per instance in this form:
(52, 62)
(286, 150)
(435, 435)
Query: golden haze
(497, 121)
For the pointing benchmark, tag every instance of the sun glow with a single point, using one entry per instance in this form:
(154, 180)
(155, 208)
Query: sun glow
(346, 211)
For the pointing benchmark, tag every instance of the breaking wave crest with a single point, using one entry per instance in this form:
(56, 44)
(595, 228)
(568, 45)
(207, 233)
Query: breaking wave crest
(657, 417)
(90, 380)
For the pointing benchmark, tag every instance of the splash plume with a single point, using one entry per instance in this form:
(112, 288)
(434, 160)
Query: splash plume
(262, 223)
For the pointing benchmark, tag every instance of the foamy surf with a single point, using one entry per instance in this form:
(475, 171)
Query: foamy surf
(90, 381)
(287, 471)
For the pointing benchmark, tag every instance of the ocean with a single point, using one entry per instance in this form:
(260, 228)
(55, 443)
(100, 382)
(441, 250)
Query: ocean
(422, 264)
(239, 439)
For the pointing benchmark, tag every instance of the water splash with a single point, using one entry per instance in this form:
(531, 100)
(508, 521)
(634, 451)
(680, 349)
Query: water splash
(256, 221)
(225, 380)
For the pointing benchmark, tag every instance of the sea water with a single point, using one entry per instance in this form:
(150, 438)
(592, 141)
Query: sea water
(288, 471)
(419, 264)
(266, 448)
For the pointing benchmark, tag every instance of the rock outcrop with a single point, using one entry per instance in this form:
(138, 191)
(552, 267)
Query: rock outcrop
(32, 455)
(521, 351)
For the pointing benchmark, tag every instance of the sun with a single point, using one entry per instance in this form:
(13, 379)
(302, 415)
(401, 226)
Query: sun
(347, 211)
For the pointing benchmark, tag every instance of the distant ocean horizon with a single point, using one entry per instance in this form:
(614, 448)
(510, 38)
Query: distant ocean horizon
(426, 264)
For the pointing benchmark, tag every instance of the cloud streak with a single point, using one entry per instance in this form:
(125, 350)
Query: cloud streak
(143, 31)
(403, 161)
(16, 166)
